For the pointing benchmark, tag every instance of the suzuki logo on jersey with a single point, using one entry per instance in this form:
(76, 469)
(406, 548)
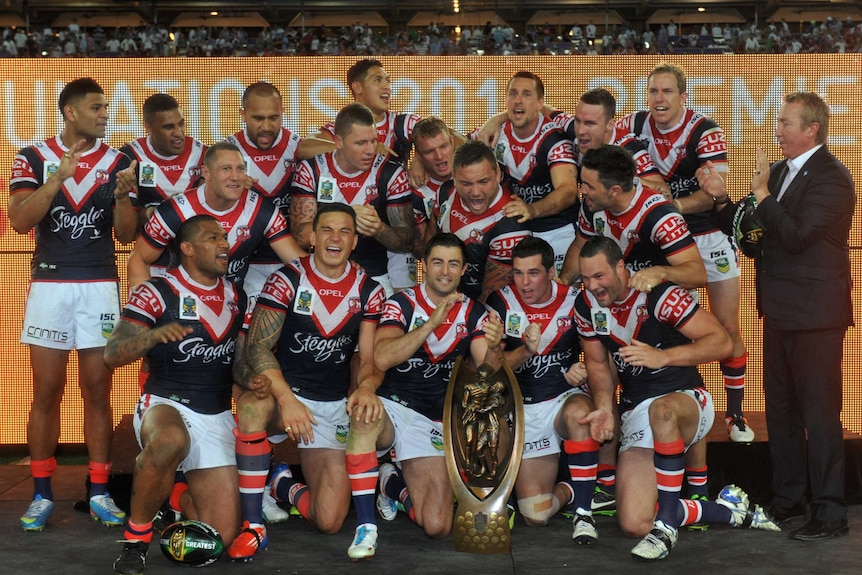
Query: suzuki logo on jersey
(670, 230)
(503, 247)
(278, 289)
(77, 224)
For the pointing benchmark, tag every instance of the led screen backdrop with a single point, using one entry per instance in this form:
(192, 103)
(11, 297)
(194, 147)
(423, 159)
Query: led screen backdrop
(743, 93)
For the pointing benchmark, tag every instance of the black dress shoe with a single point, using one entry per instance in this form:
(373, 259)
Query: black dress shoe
(781, 515)
(816, 529)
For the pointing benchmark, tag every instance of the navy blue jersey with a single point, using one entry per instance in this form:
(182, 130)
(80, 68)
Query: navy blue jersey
(395, 131)
(653, 318)
(420, 383)
(679, 152)
(648, 231)
(160, 177)
(526, 166)
(321, 327)
(541, 377)
(195, 371)
(384, 185)
(74, 241)
(252, 220)
(491, 236)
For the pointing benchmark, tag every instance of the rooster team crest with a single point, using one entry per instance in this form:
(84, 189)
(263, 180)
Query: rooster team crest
(370, 194)
(564, 323)
(461, 331)
(242, 233)
(633, 236)
(195, 173)
(102, 176)
(642, 313)
(354, 305)
(477, 235)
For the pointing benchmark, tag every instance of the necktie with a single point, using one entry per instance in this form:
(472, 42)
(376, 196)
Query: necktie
(787, 173)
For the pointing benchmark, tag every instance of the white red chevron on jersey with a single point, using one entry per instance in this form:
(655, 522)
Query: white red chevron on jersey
(172, 174)
(273, 167)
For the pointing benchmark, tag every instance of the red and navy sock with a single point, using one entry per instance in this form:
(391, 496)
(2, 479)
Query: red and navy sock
(139, 532)
(294, 492)
(733, 370)
(395, 488)
(692, 512)
(252, 461)
(583, 460)
(606, 478)
(362, 470)
(669, 462)
(696, 482)
(42, 470)
(99, 475)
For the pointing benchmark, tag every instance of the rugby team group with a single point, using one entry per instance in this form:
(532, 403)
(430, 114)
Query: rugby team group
(274, 296)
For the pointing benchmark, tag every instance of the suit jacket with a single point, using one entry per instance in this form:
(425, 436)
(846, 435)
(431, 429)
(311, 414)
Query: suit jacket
(802, 261)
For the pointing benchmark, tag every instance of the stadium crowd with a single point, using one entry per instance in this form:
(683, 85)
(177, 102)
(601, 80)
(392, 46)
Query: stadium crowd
(830, 36)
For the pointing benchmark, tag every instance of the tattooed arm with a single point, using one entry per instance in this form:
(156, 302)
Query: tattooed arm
(497, 275)
(131, 341)
(397, 236)
(302, 211)
(263, 334)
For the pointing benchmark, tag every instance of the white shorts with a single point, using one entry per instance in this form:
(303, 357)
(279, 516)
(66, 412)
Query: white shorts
(415, 435)
(332, 425)
(401, 270)
(719, 257)
(560, 239)
(211, 439)
(71, 315)
(256, 276)
(635, 430)
(540, 437)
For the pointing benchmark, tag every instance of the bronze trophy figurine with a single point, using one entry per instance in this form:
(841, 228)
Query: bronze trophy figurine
(483, 437)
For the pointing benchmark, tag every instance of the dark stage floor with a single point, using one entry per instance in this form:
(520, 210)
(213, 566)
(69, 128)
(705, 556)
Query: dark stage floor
(72, 544)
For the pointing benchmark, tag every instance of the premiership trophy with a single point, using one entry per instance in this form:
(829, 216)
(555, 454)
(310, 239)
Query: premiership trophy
(483, 437)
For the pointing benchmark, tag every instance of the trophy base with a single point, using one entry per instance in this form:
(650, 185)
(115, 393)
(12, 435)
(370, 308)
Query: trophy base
(482, 529)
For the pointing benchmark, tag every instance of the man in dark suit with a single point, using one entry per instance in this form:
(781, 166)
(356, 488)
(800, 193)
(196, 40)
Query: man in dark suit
(805, 207)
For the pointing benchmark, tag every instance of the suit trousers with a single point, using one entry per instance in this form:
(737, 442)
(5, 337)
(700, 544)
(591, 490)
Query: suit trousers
(803, 389)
